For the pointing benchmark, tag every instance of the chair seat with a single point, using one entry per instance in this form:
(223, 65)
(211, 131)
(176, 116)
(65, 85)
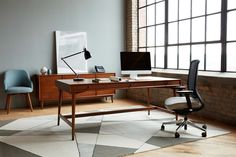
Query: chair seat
(19, 89)
(177, 103)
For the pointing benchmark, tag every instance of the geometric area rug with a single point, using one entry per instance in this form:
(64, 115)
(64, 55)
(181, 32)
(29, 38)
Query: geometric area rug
(98, 136)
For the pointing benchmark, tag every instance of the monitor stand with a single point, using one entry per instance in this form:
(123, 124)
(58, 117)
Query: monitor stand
(133, 76)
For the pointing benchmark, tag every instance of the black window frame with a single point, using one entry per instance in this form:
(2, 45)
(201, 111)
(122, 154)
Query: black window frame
(222, 40)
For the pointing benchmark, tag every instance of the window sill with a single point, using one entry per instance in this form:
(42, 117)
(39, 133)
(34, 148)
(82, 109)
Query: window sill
(200, 73)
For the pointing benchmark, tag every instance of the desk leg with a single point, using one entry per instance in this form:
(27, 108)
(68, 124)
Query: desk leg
(148, 99)
(41, 104)
(59, 107)
(73, 116)
(174, 93)
(112, 98)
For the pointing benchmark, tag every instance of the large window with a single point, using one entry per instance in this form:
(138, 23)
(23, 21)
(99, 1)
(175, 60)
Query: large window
(178, 31)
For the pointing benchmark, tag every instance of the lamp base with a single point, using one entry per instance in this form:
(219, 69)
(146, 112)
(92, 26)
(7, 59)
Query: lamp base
(78, 79)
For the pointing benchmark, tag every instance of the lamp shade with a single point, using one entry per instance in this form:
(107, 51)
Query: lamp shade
(87, 54)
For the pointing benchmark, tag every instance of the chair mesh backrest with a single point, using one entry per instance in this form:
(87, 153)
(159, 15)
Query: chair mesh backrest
(192, 76)
(16, 78)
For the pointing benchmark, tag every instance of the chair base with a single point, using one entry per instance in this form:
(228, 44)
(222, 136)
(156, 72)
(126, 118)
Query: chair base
(184, 123)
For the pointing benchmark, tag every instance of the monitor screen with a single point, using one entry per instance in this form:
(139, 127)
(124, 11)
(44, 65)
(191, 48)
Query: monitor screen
(135, 63)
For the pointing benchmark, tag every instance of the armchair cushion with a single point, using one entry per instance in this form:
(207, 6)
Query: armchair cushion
(19, 89)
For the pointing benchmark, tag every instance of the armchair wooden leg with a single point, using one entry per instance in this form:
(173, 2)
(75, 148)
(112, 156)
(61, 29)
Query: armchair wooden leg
(29, 102)
(8, 103)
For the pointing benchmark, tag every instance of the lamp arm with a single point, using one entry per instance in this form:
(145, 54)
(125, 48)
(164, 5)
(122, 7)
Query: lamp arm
(69, 65)
(71, 56)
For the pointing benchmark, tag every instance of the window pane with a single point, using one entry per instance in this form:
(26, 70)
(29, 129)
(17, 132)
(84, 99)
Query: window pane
(142, 49)
(213, 27)
(142, 37)
(198, 29)
(160, 35)
(150, 1)
(172, 57)
(213, 57)
(152, 53)
(198, 7)
(213, 6)
(160, 12)
(231, 55)
(231, 4)
(173, 10)
(151, 15)
(172, 33)
(142, 17)
(198, 53)
(184, 31)
(184, 57)
(231, 29)
(160, 57)
(142, 3)
(184, 9)
(151, 36)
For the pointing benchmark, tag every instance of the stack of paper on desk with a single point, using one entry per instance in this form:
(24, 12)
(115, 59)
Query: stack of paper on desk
(100, 80)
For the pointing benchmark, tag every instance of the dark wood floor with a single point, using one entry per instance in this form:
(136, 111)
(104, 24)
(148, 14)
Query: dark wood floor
(219, 146)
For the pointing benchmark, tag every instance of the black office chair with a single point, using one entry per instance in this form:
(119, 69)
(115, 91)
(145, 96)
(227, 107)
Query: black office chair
(189, 101)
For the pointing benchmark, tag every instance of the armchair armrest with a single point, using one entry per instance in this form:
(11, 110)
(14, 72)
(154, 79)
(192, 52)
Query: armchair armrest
(5, 84)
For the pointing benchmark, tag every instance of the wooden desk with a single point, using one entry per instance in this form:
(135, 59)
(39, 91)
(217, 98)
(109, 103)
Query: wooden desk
(74, 88)
(47, 90)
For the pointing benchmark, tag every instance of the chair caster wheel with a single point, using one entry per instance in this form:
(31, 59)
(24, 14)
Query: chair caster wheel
(177, 135)
(204, 134)
(204, 126)
(162, 127)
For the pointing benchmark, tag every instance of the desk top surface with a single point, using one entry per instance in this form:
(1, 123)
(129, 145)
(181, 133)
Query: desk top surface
(145, 82)
(124, 80)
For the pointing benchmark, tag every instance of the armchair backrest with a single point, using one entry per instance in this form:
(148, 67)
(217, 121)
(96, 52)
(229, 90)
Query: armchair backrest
(16, 78)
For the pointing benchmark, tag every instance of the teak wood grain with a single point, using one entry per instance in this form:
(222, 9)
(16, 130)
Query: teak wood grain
(73, 87)
(47, 90)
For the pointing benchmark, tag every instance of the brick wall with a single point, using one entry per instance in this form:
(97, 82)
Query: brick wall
(131, 25)
(218, 93)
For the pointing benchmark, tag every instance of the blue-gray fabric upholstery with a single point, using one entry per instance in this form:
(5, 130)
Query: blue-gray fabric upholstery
(17, 81)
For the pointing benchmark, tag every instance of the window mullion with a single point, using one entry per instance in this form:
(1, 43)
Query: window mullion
(178, 37)
(223, 34)
(205, 60)
(155, 65)
(166, 33)
(191, 19)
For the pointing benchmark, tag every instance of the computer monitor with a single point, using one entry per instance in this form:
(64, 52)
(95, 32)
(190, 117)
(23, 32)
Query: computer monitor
(135, 63)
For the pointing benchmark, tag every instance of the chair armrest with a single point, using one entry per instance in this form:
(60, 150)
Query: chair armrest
(185, 92)
(31, 84)
(5, 84)
(180, 87)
